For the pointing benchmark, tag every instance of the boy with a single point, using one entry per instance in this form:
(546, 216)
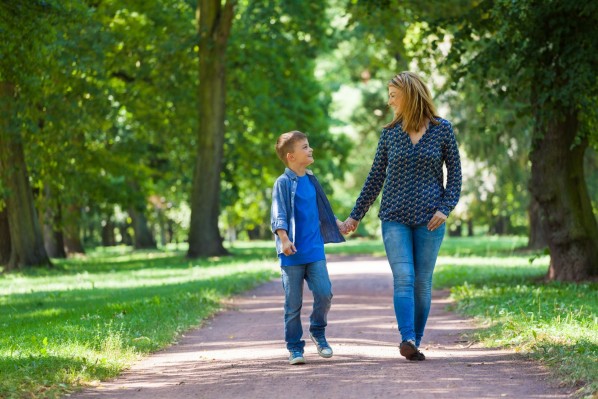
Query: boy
(302, 221)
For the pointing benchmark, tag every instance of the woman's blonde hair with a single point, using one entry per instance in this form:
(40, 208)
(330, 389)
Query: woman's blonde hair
(416, 100)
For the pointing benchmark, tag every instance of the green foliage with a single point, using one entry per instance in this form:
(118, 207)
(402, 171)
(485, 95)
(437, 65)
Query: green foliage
(90, 319)
(377, 31)
(26, 32)
(495, 281)
(591, 174)
(508, 67)
(503, 288)
(555, 323)
(152, 70)
(108, 100)
(108, 95)
(106, 105)
(367, 120)
(495, 132)
(375, 40)
(542, 51)
(272, 90)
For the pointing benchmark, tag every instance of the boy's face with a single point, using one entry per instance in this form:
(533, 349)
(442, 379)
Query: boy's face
(302, 154)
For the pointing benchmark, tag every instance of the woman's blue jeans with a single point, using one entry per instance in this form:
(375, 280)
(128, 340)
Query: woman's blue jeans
(318, 281)
(412, 253)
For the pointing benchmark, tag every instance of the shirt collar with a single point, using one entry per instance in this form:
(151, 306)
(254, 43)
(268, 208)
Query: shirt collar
(293, 176)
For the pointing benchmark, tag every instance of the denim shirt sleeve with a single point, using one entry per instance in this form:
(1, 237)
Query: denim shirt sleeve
(450, 153)
(279, 218)
(375, 180)
(281, 212)
(328, 228)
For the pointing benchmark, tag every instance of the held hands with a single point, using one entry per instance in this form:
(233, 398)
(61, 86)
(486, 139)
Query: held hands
(348, 226)
(436, 221)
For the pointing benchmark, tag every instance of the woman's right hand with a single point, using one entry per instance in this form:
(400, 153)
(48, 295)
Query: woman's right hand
(437, 220)
(351, 224)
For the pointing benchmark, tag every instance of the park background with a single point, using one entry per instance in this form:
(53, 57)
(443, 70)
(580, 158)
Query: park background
(137, 152)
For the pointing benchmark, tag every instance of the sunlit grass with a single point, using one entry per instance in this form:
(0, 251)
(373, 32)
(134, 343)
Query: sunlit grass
(502, 285)
(556, 323)
(89, 318)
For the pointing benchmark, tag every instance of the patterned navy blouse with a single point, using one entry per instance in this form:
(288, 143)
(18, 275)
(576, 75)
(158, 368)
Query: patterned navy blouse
(412, 175)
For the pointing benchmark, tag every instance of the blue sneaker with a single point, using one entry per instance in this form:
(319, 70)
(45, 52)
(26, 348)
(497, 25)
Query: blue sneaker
(324, 349)
(296, 357)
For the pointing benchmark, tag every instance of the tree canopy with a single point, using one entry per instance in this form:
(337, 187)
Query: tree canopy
(102, 111)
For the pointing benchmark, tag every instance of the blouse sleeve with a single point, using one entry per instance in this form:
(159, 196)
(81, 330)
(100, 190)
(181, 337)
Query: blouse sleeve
(452, 160)
(375, 180)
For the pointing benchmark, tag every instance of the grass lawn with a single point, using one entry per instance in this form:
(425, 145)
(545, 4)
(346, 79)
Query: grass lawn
(502, 287)
(88, 319)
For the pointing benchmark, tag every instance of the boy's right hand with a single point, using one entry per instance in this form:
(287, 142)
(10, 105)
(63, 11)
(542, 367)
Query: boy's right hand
(288, 248)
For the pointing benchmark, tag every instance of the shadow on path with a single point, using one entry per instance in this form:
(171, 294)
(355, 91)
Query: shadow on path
(241, 353)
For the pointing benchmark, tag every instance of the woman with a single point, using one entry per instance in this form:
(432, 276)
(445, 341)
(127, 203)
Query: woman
(408, 162)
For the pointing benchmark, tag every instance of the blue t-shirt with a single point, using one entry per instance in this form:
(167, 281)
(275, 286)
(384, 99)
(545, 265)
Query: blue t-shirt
(308, 239)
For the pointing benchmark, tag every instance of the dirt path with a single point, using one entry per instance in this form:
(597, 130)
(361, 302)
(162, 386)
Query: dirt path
(241, 353)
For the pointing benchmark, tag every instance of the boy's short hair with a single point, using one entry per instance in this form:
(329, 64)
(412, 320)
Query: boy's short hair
(286, 142)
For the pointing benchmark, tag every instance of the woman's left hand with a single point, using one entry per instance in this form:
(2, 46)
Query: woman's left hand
(436, 221)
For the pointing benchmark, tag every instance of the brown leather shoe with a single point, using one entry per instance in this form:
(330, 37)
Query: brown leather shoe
(410, 351)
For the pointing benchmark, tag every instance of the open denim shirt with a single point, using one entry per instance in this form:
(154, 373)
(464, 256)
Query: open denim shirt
(282, 215)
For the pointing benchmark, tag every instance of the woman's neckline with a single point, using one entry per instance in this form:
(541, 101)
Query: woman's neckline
(422, 135)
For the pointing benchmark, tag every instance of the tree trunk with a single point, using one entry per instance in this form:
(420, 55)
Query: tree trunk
(456, 229)
(470, 228)
(144, 239)
(4, 238)
(126, 238)
(537, 238)
(52, 226)
(254, 234)
(72, 230)
(260, 232)
(27, 244)
(162, 223)
(500, 225)
(89, 233)
(214, 22)
(108, 236)
(558, 185)
(171, 236)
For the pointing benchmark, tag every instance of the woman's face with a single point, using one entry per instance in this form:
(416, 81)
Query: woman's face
(395, 99)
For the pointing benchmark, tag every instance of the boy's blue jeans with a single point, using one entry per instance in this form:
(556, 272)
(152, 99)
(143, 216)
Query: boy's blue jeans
(412, 253)
(316, 275)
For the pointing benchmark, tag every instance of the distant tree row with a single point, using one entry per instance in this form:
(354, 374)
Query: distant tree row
(106, 119)
(145, 122)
